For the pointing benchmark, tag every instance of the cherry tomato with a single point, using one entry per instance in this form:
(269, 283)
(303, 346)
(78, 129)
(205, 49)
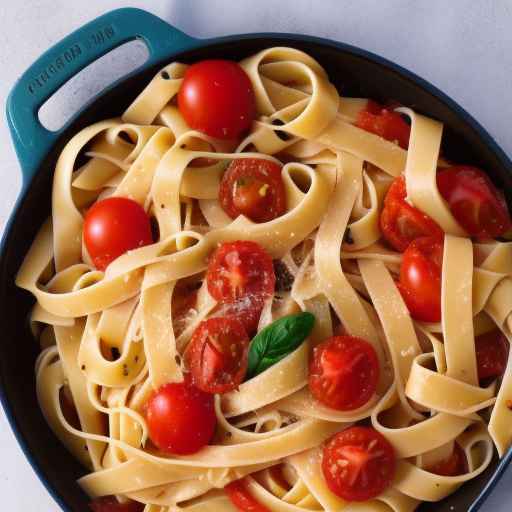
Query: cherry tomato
(241, 277)
(110, 504)
(475, 202)
(253, 187)
(343, 373)
(420, 278)
(402, 223)
(491, 354)
(181, 418)
(385, 123)
(358, 464)
(114, 226)
(246, 310)
(240, 269)
(217, 355)
(242, 499)
(454, 465)
(217, 98)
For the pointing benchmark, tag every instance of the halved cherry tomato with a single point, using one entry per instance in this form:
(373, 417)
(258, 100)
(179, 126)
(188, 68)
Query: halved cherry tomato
(110, 504)
(247, 310)
(172, 411)
(242, 499)
(454, 465)
(385, 123)
(241, 277)
(217, 98)
(491, 354)
(217, 355)
(479, 207)
(114, 226)
(253, 187)
(402, 223)
(358, 464)
(240, 269)
(420, 278)
(343, 373)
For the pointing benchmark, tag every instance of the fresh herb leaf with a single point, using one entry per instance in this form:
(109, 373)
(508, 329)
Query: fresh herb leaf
(277, 340)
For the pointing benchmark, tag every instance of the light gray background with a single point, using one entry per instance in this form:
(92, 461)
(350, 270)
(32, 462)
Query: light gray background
(464, 47)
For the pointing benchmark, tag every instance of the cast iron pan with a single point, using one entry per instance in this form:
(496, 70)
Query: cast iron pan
(355, 73)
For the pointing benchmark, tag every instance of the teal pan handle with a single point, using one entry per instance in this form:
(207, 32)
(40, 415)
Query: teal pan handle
(55, 67)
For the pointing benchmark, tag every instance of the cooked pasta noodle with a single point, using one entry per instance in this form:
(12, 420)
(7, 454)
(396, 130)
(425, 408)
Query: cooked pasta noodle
(335, 177)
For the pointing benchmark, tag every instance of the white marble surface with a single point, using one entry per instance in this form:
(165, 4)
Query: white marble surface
(461, 46)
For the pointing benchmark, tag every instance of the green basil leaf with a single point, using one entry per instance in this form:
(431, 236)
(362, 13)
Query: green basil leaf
(277, 340)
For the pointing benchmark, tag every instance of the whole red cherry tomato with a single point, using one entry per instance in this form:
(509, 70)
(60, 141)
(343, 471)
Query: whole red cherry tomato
(114, 226)
(217, 98)
(358, 464)
(420, 278)
(217, 355)
(181, 418)
(253, 187)
(479, 207)
(344, 372)
(400, 222)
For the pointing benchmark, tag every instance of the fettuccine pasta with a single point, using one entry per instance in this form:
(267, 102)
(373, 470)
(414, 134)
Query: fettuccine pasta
(111, 337)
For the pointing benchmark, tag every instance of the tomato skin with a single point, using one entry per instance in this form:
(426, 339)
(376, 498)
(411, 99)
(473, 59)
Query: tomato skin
(420, 278)
(217, 355)
(358, 463)
(114, 226)
(217, 98)
(343, 372)
(242, 499)
(246, 310)
(385, 123)
(253, 187)
(241, 277)
(402, 223)
(171, 411)
(479, 207)
(492, 350)
(110, 504)
(454, 465)
(240, 269)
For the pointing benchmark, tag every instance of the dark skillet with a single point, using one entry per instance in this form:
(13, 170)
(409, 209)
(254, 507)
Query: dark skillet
(355, 72)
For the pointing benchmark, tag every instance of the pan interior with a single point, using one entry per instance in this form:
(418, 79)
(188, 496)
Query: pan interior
(354, 74)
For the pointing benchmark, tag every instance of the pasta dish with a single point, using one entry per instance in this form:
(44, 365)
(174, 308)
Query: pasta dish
(254, 293)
